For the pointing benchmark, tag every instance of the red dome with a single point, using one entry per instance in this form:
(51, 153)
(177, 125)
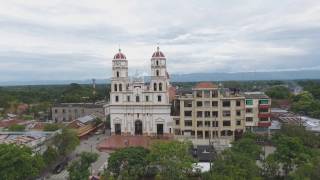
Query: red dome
(119, 55)
(158, 54)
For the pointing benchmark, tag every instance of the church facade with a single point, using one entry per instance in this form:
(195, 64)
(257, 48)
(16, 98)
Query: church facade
(137, 107)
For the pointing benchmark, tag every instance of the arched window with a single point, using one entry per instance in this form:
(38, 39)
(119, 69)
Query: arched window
(120, 87)
(155, 86)
(115, 87)
(137, 98)
(157, 62)
(157, 72)
(160, 86)
(118, 74)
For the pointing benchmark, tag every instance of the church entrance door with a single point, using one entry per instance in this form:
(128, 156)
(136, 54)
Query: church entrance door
(138, 127)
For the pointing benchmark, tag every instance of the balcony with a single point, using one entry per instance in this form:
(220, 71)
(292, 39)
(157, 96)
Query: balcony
(264, 115)
(264, 106)
(264, 124)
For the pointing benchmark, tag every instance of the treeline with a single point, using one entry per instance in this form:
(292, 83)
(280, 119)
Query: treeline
(13, 95)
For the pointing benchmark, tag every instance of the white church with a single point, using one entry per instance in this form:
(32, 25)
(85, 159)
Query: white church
(137, 107)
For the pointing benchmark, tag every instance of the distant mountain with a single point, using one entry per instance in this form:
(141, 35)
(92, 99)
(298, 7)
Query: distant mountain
(194, 77)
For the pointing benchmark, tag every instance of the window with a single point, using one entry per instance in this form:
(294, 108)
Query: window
(263, 119)
(56, 111)
(263, 110)
(206, 94)
(214, 113)
(207, 114)
(155, 86)
(137, 98)
(187, 123)
(127, 87)
(188, 103)
(226, 103)
(249, 110)
(238, 122)
(263, 101)
(207, 104)
(120, 87)
(157, 72)
(199, 103)
(199, 124)
(177, 122)
(147, 98)
(115, 87)
(157, 63)
(226, 123)
(188, 113)
(249, 102)
(249, 119)
(207, 123)
(63, 111)
(128, 98)
(238, 112)
(214, 93)
(238, 103)
(160, 86)
(226, 113)
(159, 98)
(199, 94)
(199, 113)
(214, 103)
(215, 123)
(118, 74)
(117, 98)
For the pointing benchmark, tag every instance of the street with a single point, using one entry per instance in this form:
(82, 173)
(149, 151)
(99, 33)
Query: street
(88, 145)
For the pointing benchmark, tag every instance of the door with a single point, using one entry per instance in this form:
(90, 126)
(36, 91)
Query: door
(138, 127)
(117, 129)
(159, 129)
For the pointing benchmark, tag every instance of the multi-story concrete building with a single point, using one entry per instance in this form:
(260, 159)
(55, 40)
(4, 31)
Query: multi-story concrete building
(136, 107)
(209, 112)
(258, 112)
(66, 112)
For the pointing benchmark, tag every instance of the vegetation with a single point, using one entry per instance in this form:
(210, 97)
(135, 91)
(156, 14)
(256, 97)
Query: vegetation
(17, 162)
(165, 160)
(278, 92)
(79, 169)
(306, 104)
(66, 141)
(51, 127)
(16, 127)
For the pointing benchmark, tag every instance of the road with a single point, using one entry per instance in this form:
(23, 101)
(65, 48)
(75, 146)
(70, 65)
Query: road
(88, 145)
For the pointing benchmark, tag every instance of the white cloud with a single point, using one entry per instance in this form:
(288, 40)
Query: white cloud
(194, 35)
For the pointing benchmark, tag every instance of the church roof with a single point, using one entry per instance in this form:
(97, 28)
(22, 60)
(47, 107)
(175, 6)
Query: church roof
(119, 56)
(158, 54)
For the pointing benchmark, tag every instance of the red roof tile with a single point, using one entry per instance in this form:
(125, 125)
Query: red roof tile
(205, 85)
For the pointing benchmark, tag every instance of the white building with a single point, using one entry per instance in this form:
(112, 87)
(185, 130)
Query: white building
(136, 107)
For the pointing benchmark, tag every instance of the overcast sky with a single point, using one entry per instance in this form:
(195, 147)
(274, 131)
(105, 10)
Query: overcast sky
(75, 39)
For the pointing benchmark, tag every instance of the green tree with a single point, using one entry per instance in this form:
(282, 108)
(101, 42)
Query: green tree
(290, 152)
(50, 155)
(131, 160)
(309, 171)
(232, 165)
(173, 159)
(278, 92)
(66, 141)
(79, 169)
(271, 167)
(247, 147)
(16, 127)
(18, 162)
(51, 127)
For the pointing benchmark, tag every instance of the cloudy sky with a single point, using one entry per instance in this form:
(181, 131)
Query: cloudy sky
(76, 39)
